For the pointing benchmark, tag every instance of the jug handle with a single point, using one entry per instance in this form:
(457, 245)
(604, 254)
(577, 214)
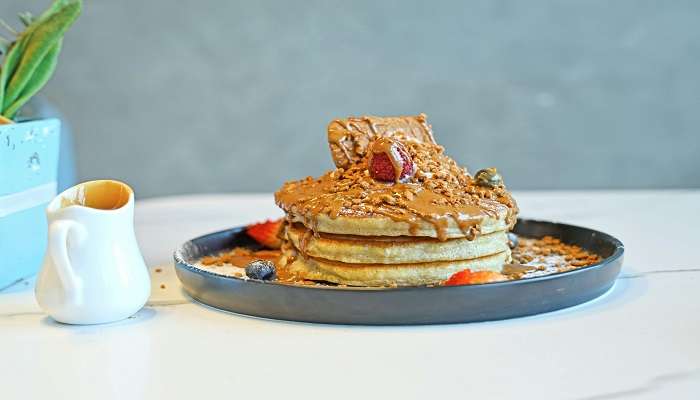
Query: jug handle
(58, 249)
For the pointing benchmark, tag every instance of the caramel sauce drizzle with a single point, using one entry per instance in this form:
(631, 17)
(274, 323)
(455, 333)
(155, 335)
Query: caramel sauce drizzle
(438, 191)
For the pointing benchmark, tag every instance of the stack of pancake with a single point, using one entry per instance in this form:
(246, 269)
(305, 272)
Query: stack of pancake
(348, 227)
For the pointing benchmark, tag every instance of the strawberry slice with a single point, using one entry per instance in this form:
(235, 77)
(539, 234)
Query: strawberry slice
(467, 277)
(266, 233)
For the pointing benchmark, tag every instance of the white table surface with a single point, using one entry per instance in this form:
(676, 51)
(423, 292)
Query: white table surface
(641, 340)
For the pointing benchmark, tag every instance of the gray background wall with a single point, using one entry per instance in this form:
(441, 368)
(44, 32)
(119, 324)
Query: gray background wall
(205, 96)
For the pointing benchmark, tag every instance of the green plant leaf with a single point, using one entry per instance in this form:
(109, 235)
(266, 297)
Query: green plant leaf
(56, 6)
(41, 39)
(8, 27)
(4, 45)
(9, 65)
(26, 18)
(41, 75)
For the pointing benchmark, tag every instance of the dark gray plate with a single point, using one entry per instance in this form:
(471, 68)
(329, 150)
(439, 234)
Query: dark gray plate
(408, 305)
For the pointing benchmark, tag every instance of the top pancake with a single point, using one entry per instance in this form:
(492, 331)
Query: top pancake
(440, 200)
(357, 222)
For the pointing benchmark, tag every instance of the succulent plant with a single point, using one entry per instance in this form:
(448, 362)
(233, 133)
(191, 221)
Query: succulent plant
(30, 58)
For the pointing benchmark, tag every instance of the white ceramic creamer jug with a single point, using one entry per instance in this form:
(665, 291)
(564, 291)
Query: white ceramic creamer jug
(93, 271)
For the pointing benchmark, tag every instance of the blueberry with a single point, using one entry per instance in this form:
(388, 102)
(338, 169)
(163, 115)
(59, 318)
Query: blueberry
(512, 240)
(260, 269)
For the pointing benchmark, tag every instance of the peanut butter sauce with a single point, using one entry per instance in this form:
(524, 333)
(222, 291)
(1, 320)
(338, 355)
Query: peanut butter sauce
(439, 190)
(240, 257)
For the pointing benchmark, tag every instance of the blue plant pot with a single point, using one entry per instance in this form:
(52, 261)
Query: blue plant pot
(28, 172)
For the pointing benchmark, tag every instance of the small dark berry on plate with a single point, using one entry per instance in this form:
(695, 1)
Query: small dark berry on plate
(512, 240)
(260, 269)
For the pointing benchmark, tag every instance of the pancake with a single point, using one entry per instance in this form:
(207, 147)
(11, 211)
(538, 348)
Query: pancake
(441, 200)
(393, 250)
(356, 223)
(312, 268)
(396, 211)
